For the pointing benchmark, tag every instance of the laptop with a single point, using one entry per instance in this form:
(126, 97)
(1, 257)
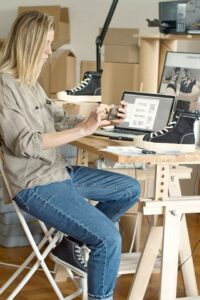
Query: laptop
(146, 112)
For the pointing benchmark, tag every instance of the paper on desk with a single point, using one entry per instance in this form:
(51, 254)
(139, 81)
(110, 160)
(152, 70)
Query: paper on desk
(123, 150)
(132, 150)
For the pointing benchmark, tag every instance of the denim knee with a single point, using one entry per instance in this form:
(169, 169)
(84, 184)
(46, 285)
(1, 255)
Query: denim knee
(134, 190)
(113, 240)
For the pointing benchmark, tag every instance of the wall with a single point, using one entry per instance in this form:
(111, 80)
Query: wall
(87, 16)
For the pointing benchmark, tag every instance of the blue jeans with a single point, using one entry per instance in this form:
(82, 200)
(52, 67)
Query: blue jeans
(63, 206)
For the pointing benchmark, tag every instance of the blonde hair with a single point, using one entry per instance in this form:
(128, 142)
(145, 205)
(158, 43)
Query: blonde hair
(23, 49)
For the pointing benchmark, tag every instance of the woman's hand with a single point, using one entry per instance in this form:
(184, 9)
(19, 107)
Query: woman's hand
(104, 111)
(121, 113)
(98, 118)
(91, 123)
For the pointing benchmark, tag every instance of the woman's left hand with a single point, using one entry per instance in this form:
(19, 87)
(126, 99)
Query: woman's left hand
(122, 112)
(103, 111)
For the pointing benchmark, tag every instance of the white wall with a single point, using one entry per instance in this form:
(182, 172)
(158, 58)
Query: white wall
(87, 16)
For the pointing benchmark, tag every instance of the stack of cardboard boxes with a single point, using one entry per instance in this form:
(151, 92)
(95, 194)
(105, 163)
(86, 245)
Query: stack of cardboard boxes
(121, 64)
(121, 67)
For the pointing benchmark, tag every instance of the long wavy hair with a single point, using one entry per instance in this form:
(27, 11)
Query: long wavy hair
(23, 49)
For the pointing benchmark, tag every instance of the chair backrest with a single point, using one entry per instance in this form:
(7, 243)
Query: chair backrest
(7, 195)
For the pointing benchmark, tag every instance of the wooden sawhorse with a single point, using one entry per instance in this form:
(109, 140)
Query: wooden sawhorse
(167, 237)
(168, 174)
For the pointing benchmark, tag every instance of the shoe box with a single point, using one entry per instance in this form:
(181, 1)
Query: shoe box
(116, 78)
(121, 45)
(79, 108)
(62, 23)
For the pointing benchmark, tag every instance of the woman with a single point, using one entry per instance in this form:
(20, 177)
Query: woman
(42, 184)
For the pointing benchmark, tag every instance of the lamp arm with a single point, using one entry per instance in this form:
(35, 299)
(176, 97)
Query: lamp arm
(101, 36)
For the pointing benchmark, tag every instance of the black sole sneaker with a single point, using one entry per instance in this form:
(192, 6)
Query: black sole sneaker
(68, 253)
(177, 136)
(89, 89)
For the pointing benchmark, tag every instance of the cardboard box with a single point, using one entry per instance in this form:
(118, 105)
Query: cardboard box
(87, 65)
(61, 17)
(116, 78)
(81, 108)
(45, 75)
(124, 54)
(121, 36)
(59, 72)
(121, 46)
(63, 70)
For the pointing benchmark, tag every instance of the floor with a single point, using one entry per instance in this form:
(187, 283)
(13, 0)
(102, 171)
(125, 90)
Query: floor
(39, 288)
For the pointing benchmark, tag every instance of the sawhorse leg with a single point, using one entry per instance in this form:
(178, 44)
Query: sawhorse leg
(188, 271)
(146, 264)
(173, 228)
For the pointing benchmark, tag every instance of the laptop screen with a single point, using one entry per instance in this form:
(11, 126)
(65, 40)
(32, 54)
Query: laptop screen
(146, 112)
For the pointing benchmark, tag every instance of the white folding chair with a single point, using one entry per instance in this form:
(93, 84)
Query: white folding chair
(51, 237)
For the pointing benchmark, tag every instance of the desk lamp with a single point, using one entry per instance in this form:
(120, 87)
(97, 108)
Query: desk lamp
(91, 83)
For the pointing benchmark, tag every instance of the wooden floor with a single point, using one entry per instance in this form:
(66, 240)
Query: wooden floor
(39, 288)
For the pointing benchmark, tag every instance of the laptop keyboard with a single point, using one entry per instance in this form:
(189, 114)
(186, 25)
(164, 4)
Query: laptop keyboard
(128, 132)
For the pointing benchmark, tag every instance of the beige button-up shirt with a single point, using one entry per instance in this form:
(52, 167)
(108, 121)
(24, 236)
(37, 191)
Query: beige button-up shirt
(26, 113)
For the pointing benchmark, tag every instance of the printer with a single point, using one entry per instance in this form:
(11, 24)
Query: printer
(178, 17)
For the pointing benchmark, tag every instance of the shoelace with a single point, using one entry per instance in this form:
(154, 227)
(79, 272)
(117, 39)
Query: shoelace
(79, 256)
(164, 130)
(81, 85)
(172, 124)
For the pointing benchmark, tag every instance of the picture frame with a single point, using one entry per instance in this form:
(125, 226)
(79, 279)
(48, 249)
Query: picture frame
(181, 78)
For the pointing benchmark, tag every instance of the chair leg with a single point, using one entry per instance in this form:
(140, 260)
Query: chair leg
(24, 265)
(84, 288)
(40, 260)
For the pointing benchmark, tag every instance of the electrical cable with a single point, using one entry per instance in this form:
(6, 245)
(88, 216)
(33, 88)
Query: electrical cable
(194, 248)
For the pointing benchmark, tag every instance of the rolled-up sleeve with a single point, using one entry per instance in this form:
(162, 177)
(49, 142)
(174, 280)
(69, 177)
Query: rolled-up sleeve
(63, 120)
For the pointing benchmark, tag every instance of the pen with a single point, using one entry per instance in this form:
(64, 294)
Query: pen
(121, 138)
(145, 151)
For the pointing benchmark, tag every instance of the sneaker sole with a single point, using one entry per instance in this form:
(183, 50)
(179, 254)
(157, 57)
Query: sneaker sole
(61, 262)
(84, 98)
(162, 147)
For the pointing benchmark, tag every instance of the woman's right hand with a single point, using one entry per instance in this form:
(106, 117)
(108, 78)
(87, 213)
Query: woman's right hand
(93, 122)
